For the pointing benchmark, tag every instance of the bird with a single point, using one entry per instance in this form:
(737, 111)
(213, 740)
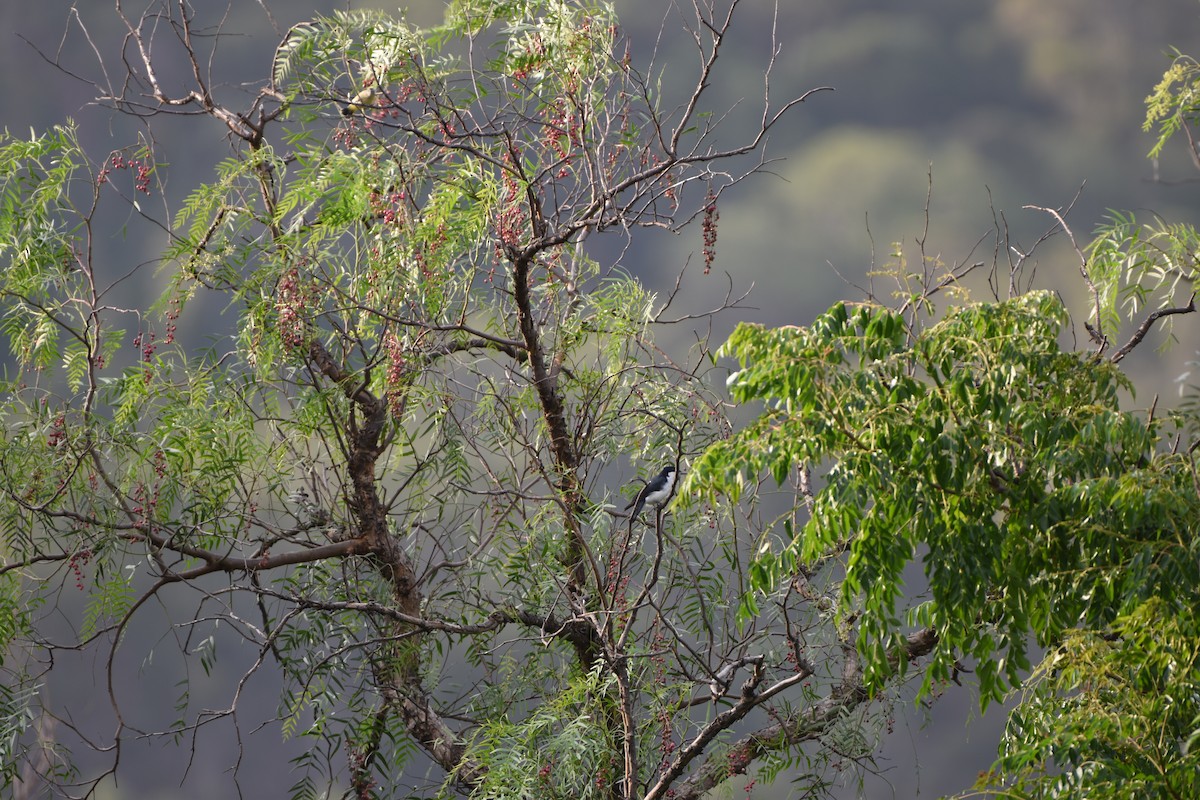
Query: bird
(301, 498)
(721, 678)
(656, 491)
(364, 99)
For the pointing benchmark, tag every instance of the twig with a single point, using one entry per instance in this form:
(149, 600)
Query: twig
(1083, 269)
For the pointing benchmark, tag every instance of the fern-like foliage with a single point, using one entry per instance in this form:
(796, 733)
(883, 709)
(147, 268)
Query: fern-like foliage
(1175, 101)
(1138, 267)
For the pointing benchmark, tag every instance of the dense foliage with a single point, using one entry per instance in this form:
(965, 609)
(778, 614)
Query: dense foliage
(1043, 512)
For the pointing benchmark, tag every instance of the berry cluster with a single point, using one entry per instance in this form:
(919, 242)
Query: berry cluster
(294, 298)
(148, 346)
(77, 562)
(142, 171)
(147, 502)
(397, 363)
(58, 431)
(512, 213)
(708, 225)
(738, 761)
(174, 308)
(562, 130)
(389, 207)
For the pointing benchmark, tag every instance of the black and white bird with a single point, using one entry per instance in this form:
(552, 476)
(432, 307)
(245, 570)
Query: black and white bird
(656, 492)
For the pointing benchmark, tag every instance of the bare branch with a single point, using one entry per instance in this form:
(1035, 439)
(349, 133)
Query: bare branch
(787, 731)
(1148, 323)
(1083, 265)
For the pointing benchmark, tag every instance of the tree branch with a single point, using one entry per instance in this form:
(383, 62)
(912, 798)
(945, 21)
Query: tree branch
(799, 726)
(1148, 323)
